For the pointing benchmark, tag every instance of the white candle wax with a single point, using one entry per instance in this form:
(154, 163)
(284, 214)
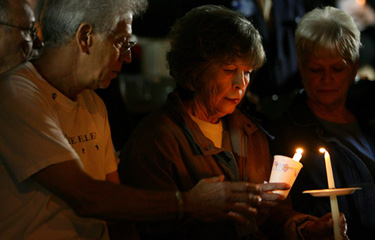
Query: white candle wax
(335, 217)
(330, 179)
(333, 199)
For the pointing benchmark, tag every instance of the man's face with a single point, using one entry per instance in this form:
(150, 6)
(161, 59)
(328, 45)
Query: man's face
(110, 53)
(16, 44)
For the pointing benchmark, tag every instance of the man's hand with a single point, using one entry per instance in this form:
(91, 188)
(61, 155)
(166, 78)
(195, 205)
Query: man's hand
(322, 228)
(214, 199)
(269, 198)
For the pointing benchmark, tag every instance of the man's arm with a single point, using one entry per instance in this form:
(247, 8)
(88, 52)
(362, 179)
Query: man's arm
(213, 199)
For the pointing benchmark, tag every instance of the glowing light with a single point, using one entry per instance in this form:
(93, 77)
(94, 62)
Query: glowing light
(298, 155)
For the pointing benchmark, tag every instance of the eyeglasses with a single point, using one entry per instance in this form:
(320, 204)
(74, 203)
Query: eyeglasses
(125, 45)
(32, 31)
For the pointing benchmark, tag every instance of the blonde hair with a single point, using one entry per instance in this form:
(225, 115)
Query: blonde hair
(330, 29)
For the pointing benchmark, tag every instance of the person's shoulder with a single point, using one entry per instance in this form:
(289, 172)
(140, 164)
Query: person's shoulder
(158, 122)
(158, 130)
(248, 121)
(91, 96)
(154, 132)
(18, 82)
(19, 72)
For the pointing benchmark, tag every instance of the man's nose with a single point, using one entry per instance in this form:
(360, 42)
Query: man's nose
(126, 57)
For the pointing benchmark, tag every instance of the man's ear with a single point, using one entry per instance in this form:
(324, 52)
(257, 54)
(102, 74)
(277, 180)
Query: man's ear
(84, 37)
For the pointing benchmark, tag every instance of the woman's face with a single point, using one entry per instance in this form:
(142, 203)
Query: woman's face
(224, 86)
(326, 78)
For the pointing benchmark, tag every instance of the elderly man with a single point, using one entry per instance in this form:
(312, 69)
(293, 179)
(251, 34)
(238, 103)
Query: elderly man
(18, 35)
(57, 157)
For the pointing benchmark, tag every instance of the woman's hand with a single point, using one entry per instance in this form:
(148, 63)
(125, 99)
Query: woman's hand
(269, 198)
(322, 229)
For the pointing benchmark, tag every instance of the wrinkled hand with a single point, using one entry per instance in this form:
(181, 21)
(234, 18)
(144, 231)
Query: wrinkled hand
(322, 229)
(269, 198)
(214, 199)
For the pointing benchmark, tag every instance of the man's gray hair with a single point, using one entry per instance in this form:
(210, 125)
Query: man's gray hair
(330, 29)
(61, 18)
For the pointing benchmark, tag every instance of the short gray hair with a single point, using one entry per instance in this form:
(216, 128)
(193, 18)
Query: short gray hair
(327, 28)
(61, 18)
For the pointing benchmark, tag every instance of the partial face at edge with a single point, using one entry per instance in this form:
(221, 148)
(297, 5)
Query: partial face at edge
(16, 44)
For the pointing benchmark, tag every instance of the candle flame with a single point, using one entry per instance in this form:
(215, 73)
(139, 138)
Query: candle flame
(298, 155)
(322, 150)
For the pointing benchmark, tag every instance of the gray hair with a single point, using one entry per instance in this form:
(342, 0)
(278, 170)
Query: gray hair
(330, 29)
(61, 18)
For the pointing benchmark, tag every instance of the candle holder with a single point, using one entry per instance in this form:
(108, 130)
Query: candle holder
(332, 192)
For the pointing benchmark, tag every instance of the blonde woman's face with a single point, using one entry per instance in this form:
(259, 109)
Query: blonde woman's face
(327, 78)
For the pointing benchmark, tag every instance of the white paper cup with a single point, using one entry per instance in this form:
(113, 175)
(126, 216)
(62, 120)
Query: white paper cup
(284, 170)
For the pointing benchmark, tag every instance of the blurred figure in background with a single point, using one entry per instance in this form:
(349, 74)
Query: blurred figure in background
(274, 83)
(327, 43)
(18, 35)
(363, 13)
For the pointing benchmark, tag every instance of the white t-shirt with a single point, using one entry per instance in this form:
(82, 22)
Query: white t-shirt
(39, 127)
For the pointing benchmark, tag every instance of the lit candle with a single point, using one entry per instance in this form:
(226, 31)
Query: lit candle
(333, 199)
(327, 158)
(298, 155)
